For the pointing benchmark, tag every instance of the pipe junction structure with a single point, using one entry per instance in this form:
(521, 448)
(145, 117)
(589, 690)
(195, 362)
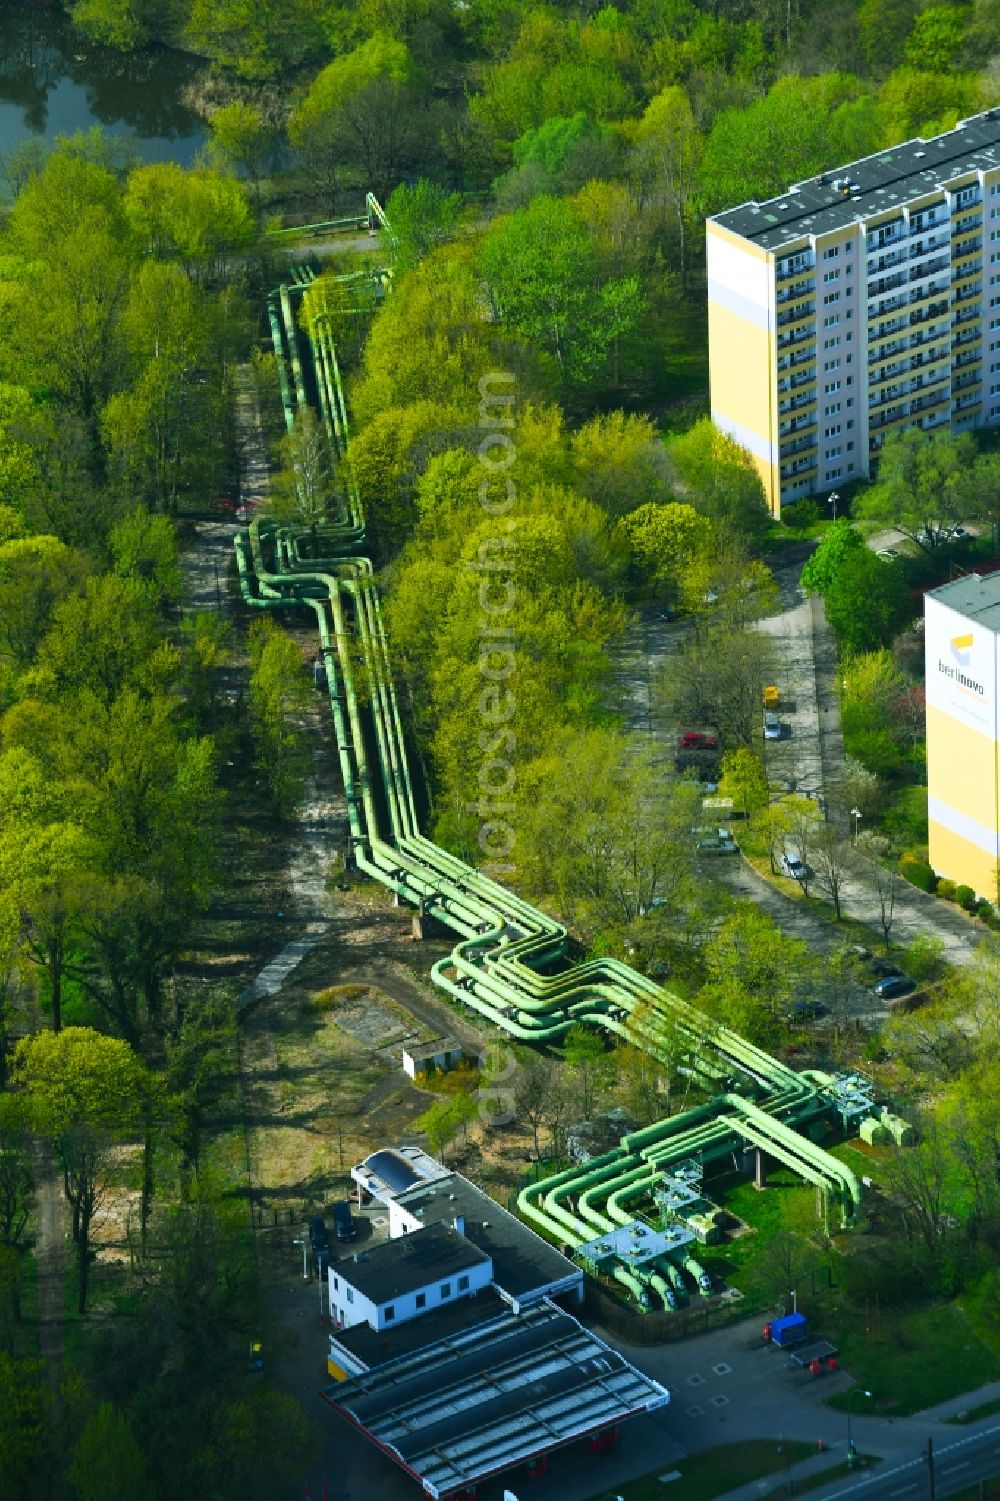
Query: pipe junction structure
(510, 962)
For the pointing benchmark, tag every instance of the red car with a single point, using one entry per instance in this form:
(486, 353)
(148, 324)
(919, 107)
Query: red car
(697, 740)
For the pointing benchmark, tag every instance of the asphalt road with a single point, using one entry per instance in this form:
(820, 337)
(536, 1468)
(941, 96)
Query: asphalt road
(956, 1466)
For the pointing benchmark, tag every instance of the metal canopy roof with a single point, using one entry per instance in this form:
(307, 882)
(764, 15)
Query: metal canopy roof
(504, 1392)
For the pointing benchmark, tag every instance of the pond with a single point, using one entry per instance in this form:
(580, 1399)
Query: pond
(53, 81)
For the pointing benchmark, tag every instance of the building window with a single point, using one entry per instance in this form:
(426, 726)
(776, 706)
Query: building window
(390, 1312)
(421, 1300)
(834, 474)
(831, 432)
(336, 1284)
(850, 447)
(831, 320)
(832, 343)
(831, 275)
(463, 1284)
(832, 364)
(832, 253)
(350, 1294)
(446, 1289)
(831, 385)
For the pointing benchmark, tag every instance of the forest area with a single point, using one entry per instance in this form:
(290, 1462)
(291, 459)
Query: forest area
(546, 171)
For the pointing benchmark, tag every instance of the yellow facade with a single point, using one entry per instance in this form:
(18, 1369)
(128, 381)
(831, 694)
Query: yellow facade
(736, 347)
(961, 622)
(949, 852)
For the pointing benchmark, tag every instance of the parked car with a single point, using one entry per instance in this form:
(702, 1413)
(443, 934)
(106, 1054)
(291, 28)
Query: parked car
(698, 740)
(772, 726)
(717, 842)
(892, 987)
(807, 1011)
(343, 1221)
(791, 865)
(320, 1242)
(883, 967)
(959, 534)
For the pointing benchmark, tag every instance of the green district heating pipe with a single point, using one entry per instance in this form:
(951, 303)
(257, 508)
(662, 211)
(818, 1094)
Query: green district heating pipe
(504, 943)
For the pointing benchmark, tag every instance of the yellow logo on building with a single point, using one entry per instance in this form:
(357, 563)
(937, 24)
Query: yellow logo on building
(960, 648)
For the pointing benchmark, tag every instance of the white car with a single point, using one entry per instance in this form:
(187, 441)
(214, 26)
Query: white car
(772, 726)
(791, 865)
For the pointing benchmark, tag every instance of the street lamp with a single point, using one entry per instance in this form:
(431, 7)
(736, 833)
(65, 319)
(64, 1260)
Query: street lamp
(851, 1451)
(833, 497)
(857, 815)
(305, 1252)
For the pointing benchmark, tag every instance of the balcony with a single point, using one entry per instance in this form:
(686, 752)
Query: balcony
(792, 340)
(793, 266)
(889, 305)
(936, 310)
(967, 294)
(965, 382)
(800, 445)
(795, 314)
(878, 263)
(930, 403)
(933, 290)
(802, 288)
(930, 268)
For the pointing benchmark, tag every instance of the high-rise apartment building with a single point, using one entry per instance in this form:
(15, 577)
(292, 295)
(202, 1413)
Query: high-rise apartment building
(859, 302)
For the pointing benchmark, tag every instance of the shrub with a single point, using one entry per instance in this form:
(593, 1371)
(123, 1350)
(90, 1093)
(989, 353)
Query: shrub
(965, 897)
(946, 889)
(984, 909)
(918, 873)
(326, 1000)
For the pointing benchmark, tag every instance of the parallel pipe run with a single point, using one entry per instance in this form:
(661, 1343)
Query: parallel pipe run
(504, 941)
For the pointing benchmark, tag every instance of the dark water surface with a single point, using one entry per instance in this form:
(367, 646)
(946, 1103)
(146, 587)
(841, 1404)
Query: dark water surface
(54, 82)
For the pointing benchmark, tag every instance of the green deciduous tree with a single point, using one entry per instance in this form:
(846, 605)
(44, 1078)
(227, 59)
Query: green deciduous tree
(541, 276)
(664, 540)
(108, 1460)
(839, 543)
(84, 1092)
(602, 831)
(198, 217)
(720, 479)
(744, 780)
(867, 601)
(668, 156)
(590, 1066)
(279, 693)
(929, 483)
(303, 492)
(243, 139)
(754, 972)
(421, 217)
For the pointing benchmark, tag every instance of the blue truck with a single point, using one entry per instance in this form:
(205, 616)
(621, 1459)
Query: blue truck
(787, 1331)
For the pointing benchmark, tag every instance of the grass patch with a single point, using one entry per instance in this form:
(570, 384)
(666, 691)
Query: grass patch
(743, 1258)
(336, 995)
(921, 1356)
(716, 1471)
